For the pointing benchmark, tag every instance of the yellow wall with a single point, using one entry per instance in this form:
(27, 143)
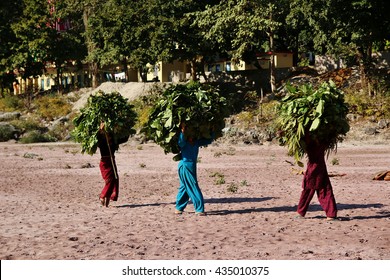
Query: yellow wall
(167, 72)
(282, 60)
(46, 81)
(242, 65)
(153, 70)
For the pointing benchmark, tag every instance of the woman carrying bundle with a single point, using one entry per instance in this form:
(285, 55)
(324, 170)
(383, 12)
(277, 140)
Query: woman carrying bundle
(316, 180)
(189, 187)
(312, 121)
(107, 146)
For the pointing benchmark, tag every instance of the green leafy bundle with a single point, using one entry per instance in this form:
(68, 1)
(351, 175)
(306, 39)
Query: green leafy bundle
(199, 106)
(112, 109)
(319, 114)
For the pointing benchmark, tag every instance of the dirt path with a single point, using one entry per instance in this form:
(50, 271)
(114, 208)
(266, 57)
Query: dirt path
(50, 209)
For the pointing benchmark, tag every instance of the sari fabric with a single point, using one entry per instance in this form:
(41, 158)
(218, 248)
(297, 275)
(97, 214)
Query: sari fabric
(316, 180)
(111, 184)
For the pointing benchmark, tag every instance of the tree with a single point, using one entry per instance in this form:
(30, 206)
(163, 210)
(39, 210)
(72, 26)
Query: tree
(243, 28)
(96, 31)
(350, 28)
(33, 33)
(40, 41)
(190, 44)
(9, 11)
(69, 47)
(143, 34)
(90, 9)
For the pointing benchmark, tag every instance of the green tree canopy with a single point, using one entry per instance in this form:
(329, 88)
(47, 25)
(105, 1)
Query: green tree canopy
(348, 28)
(9, 11)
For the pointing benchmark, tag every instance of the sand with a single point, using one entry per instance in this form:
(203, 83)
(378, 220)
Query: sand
(50, 208)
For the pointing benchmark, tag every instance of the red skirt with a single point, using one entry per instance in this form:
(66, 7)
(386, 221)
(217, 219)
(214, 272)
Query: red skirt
(110, 176)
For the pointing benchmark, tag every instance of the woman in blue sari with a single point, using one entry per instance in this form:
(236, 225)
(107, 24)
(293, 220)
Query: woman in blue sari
(189, 187)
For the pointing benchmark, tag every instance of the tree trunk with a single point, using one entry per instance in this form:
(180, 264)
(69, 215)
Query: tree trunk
(126, 69)
(143, 75)
(272, 60)
(193, 70)
(364, 58)
(202, 69)
(58, 81)
(272, 73)
(93, 65)
(94, 68)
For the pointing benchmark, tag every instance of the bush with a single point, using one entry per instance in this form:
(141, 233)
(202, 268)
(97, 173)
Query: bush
(36, 136)
(51, 107)
(246, 118)
(28, 124)
(61, 132)
(11, 103)
(7, 132)
(361, 103)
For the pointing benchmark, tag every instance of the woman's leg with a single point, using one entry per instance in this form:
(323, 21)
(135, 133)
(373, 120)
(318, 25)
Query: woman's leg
(304, 201)
(182, 196)
(109, 179)
(327, 201)
(187, 174)
(115, 185)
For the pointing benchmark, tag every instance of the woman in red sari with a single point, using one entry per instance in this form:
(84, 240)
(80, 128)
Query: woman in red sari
(316, 180)
(107, 146)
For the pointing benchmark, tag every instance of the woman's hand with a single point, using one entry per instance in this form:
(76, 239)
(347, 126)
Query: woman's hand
(101, 127)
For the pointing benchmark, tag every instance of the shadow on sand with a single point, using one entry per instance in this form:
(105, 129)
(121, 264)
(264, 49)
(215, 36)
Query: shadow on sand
(312, 208)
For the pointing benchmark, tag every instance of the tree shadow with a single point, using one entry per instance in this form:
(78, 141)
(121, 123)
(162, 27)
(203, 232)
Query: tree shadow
(253, 210)
(236, 199)
(359, 206)
(342, 206)
(143, 205)
(312, 208)
(380, 215)
(207, 201)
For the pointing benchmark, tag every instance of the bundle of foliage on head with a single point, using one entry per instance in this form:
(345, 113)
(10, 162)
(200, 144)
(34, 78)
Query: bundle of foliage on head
(112, 109)
(201, 107)
(316, 113)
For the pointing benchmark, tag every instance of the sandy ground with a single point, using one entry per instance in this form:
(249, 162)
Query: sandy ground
(50, 209)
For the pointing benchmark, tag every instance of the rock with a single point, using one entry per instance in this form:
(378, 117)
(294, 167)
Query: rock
(9, 116)
(8, 132)
(382, 123)
(58, 122)
(225, 130)
(370, 130)
(353, 117)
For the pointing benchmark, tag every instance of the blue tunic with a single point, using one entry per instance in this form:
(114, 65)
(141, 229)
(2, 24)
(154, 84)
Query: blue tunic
(189, 187)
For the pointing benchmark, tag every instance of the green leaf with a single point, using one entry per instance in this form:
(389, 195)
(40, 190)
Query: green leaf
(198, 108)
(320, 107)
(315, 124)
